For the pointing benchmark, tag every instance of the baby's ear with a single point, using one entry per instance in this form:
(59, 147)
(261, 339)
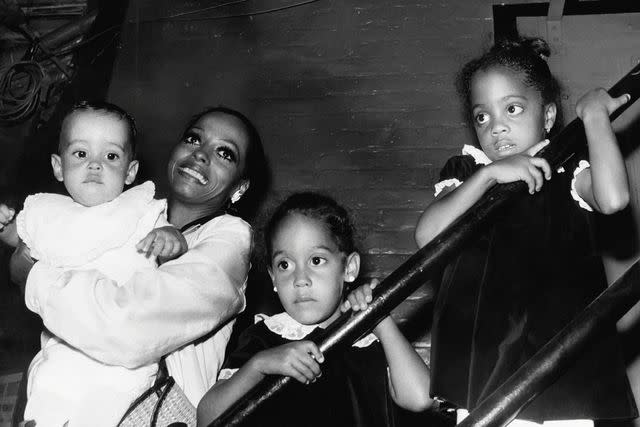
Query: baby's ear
(56, 164)
(132, 171)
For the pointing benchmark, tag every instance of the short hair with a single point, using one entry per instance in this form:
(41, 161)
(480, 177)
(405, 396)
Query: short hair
(316, 206)
(108, 109)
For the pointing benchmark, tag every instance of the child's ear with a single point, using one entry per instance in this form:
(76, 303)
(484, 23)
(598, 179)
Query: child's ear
(56, 164)
(550, 112)
(352, 267)
(132, 171)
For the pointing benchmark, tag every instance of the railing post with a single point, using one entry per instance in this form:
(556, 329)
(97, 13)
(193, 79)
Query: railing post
(419, 267)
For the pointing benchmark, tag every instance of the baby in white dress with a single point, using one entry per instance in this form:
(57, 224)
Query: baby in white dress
(99, 227)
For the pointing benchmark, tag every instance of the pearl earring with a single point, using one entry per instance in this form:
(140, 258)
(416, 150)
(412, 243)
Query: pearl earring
(275, 290)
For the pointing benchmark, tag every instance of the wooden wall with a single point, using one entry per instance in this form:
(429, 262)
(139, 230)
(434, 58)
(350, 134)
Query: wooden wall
(354, 98)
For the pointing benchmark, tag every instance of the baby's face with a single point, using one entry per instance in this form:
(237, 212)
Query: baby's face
(95, 158)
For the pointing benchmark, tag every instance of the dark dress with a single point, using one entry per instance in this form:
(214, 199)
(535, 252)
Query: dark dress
(352, 391)
(514, 286)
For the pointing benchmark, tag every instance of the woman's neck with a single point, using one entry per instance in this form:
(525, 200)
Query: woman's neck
(181, 214)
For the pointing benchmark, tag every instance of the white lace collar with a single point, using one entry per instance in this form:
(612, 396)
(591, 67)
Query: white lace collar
(477, 154)
(289, 328)
(482, 159)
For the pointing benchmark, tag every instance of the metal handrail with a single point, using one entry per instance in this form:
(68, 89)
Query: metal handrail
(426, 261)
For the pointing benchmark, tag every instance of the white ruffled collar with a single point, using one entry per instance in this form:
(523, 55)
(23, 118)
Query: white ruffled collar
(289, 328)
(477, 154)
(481, 158)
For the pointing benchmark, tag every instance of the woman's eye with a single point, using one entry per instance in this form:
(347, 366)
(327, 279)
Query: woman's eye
(191, 139)
(514, 109)
(283, 265)
(112, 156)
(316, 260)
(482, 118)
(227, 154)
(80, 154)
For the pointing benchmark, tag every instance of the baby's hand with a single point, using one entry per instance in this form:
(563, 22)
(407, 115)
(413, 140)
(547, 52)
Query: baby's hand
(523, 167)
(299, 360)
(598, 101)
(359, 298)
(6, 215)
(164, 242)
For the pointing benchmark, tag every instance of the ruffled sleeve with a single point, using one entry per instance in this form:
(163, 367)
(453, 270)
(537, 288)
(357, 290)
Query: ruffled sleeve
(582, 165)
(455, 172)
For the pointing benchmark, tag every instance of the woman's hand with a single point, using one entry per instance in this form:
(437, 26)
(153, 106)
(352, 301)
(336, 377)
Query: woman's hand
(166, 243)
(522, 167)
(599, 102)
(6, 215)
(299, 360)
(8, 230)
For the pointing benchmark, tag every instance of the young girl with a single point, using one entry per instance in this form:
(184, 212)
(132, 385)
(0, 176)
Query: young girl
(536, 267)
(311, 255)
(98, 226)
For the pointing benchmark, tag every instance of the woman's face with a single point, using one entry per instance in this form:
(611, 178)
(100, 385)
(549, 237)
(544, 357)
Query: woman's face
(206, 167)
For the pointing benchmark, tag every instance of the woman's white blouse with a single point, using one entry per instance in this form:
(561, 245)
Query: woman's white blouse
(159, 310)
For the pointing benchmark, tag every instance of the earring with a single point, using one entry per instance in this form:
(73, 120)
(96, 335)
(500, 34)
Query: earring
(275, 290)
(236, 196)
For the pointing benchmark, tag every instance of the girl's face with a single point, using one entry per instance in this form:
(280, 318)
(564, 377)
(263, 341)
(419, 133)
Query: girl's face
(509, 117)
(308, 270)
(206, 167)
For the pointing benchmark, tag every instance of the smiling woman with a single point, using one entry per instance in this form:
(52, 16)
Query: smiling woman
(184, 309)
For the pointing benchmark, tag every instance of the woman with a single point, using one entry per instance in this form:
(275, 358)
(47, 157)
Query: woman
(186, 306)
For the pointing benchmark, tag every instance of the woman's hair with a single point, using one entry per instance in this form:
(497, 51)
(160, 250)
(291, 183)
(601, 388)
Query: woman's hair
(108, 109)
(524, 56)
(319, 207)
(256, 169)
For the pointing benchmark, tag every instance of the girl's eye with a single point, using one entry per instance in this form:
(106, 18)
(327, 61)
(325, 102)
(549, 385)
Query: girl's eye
(191, 139)
(227, 154)
(316, 260)
(112, 156)
(514, 109)
(283, 265)
(80, 154)
(482, 118)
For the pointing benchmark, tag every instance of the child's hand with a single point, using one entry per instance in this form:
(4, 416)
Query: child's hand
(359, 298)
(164, 242)
(598, 101)
(299, 360)
(6, 215)
(523, 167)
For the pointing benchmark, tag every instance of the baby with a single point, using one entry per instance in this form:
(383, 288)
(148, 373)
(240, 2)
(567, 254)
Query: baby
(98, 227)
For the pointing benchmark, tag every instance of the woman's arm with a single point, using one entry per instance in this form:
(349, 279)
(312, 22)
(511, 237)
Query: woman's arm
(604, 186)
(157, 310)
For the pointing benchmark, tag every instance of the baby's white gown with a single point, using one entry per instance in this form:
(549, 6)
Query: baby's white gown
(65, 385)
